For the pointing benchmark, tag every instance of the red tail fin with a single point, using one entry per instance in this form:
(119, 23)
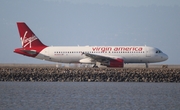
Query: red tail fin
(28, 38)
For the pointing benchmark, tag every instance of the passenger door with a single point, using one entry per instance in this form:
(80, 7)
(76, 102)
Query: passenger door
(148, 52)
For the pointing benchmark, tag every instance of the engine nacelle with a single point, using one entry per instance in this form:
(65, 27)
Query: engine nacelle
(114, 63)
(86, 61)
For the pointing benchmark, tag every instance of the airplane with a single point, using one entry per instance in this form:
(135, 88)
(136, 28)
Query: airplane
(109, 56)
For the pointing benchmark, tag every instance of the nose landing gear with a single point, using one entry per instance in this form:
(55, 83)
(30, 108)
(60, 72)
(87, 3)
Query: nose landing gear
(146, 65)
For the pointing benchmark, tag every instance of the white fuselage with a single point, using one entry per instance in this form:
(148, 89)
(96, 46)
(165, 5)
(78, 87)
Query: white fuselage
(110, 56)
(130, 54)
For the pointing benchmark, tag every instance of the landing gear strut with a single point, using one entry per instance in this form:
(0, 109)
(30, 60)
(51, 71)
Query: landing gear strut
(146, 65)
(95, 66)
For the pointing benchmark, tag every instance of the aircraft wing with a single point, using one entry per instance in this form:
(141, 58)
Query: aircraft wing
(101, 58)
(106, 60)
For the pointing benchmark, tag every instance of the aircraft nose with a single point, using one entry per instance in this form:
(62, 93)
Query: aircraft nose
(165, 57)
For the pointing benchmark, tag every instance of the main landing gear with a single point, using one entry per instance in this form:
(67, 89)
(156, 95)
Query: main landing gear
(95, 66)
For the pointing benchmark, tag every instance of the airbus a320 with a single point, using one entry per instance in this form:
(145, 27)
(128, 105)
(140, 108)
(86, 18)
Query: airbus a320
(110, 56)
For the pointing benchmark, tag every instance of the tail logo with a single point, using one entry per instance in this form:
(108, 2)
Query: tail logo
(27, 41)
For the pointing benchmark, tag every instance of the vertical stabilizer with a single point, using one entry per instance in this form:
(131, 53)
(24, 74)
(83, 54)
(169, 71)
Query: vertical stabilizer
(31, 45)
(28, 38)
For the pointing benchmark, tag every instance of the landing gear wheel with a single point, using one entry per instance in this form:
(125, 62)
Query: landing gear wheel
(94, 66)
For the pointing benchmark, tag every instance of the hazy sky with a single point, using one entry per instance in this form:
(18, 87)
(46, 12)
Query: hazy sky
(128, 3)
(153, 23)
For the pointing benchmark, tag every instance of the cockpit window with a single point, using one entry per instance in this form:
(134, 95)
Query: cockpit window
(158, 51)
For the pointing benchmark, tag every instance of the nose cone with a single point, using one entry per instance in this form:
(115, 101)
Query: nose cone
(165, 57)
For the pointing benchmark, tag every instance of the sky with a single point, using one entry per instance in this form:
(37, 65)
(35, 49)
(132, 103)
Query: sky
(153, 23)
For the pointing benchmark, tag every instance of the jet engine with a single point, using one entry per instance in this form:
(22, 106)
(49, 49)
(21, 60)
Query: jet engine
(114, 63)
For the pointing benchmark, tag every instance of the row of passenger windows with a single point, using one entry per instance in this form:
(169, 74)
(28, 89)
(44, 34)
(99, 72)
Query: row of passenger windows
(56, 52)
